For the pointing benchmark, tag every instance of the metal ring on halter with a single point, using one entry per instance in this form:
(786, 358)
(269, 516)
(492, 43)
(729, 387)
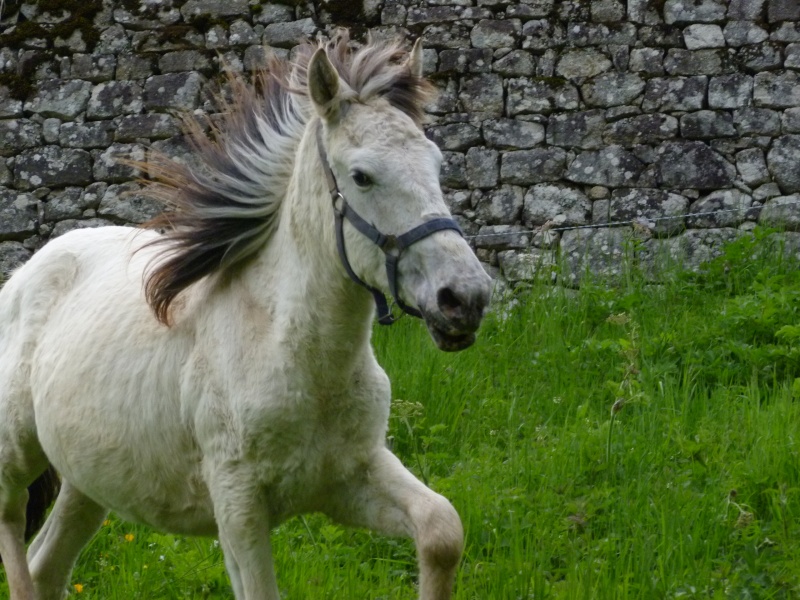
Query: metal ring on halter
(392, 246)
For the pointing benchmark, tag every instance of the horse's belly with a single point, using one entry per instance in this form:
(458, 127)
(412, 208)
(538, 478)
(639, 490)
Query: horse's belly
(163, 489)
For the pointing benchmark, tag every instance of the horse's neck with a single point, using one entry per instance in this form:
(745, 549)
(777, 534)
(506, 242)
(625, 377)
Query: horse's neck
(325, 315)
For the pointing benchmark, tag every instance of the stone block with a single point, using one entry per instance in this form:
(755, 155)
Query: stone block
(287, 35)
(692, 164)
(63, 227)
(663, 210)
(694, 62)
(427, 15)
(613, 166)
(132, 66)
(730, 91)
(707, 125)
(533, 264)
(512, 134)
(482, 167)
(502, 237)
(111, 164)
(69, 203)
(761, 57)
(697, 11)
(52, 166)
(757, 121)
(542, 34)
(93, 134)
(113, 98)
(777, 90)
(781, 212)
(274, 13)
(114, 40)
(596, 253)
(641, 129)
(180, 91)
(608, 11)
(783, 10)
(790, 120)
(454, 170)
(557, 204)
(664, 94)
(455, 136)
(12, 256)
(783, 163)
(649, 61)
(752, 166)
(214, 8)
(183, 60)
(482, 94)
(465, 60)
(17, 135)
(60, 99)
(575, 64)
(583, 34)
(492, 33)
(792, 60)
(242, 34)
(700, 36)
(92, 67)
(19, 214)
(722, 208)
(691, 250)
(541, 95)
(128, 204)
(528, 167)
(743, 33)
(500, 206)
(152, 126)
(613, 89)
(517, 63)
(745, 9)
(582, 129)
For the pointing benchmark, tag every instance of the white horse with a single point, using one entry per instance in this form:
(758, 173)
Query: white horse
(218, 378)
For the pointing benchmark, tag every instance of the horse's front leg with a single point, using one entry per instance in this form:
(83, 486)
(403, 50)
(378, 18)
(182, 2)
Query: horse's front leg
(386, 497)
(243, 523)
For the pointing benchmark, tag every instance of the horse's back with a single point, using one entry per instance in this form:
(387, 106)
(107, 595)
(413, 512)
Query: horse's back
(35, 291)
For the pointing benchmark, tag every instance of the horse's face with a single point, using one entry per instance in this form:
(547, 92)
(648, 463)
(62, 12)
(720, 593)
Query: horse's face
(388, 171)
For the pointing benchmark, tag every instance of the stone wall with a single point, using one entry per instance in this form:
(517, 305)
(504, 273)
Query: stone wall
(552, 115)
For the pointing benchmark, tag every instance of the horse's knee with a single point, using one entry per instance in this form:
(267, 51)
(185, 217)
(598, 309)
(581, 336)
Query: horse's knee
(440, 537)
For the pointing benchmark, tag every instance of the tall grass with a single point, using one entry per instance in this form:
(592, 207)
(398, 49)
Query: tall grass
(635, 441)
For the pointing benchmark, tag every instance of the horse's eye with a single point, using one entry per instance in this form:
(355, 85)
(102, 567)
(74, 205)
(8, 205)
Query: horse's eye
(361, 179)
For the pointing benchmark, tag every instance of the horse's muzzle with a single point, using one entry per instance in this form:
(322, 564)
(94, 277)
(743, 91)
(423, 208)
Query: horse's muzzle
(457, 312)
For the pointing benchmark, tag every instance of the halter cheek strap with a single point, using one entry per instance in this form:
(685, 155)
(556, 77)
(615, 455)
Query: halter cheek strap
(392, 246)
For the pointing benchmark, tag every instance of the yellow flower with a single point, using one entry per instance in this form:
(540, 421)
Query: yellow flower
(78, 588)
(107, 522)
(129, 537)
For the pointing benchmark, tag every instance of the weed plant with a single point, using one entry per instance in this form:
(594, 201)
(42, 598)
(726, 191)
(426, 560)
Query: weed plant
(630, 441)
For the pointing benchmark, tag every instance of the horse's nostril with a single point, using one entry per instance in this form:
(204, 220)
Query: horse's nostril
(449, 303)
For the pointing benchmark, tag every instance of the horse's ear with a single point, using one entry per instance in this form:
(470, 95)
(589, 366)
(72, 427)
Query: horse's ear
(415, 60)
(324, 87)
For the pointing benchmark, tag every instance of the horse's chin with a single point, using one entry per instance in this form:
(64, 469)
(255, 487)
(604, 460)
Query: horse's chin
(449, 342)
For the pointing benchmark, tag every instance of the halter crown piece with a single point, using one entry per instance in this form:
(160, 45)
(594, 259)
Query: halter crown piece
(391, 245)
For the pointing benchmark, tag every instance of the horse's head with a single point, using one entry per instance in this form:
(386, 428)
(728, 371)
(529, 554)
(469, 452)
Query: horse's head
(384, 178)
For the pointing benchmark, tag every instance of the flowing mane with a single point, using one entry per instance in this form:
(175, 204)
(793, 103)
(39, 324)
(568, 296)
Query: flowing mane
(222, 213)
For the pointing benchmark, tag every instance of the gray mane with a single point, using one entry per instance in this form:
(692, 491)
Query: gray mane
(221, 214)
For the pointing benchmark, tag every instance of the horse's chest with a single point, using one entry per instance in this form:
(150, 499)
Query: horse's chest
(320, 438)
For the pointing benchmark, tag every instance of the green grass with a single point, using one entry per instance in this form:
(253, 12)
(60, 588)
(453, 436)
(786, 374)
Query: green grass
(688, 488)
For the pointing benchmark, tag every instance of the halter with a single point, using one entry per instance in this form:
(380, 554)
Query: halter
(391, 245)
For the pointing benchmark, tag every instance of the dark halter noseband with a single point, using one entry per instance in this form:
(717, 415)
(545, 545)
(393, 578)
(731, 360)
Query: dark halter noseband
(391, 245)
